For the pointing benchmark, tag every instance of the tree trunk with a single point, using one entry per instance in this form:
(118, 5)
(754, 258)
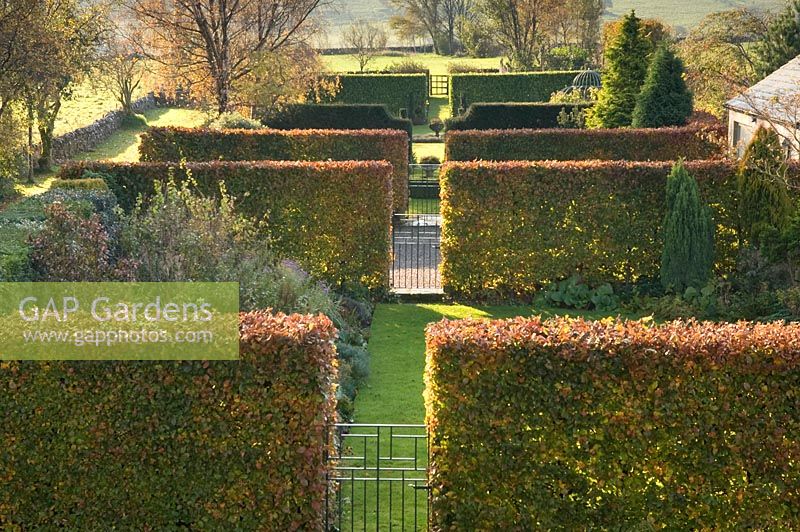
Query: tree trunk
(46, 117)
(29, 104)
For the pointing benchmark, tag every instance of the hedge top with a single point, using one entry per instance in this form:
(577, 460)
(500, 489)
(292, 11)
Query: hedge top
(749, 347)
(693, 142)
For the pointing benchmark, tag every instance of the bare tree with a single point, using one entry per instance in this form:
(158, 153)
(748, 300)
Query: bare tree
(367, 40)
(214, 41)
(454, 14)
(518, 24)
(122, 66)
(426, 13)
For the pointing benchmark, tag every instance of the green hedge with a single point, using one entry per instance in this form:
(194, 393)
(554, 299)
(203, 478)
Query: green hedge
(502, 88)
(173, 445)
(332, 217)
(176, 144)
(337, 116)
(663, 144)
(575, 425)
(510, 228)
(395, 91)
(512, 116)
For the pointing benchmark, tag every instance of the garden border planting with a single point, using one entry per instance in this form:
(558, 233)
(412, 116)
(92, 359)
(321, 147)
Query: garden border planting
(143, 445)
(332, 217)
(176, 144)
(612, 424)
(662, 144)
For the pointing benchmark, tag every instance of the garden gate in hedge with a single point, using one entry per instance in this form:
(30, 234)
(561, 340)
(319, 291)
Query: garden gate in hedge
(416, 235)
(440, 86)
(378, 478)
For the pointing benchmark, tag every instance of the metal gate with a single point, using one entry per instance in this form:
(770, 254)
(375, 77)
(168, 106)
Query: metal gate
(440, 85)
(416, 235)
(378, 478)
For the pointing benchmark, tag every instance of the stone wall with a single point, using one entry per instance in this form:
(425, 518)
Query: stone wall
(87, 138)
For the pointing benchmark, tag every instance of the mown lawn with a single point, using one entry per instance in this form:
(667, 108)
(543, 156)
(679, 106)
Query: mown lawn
(437, 64)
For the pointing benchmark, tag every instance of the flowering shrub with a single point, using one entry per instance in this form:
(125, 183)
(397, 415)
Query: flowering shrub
(569, 424)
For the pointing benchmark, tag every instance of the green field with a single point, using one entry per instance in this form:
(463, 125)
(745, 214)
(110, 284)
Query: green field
(89, 102)
(437, 64)
(679, 13)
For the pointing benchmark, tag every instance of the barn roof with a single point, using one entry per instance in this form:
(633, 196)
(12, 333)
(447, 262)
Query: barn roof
(776, 96)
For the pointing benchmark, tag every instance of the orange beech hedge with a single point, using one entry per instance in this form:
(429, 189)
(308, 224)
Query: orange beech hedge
(509, 228)
(173, 445)
(163, 144)
(575, 425)
(663, 144)
(332, 217)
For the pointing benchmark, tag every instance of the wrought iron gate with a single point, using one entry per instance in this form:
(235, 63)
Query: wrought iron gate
(440, 85)
(378, 478)
(416, 235)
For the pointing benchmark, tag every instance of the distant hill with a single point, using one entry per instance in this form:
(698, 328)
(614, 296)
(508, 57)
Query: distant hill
(682, 14)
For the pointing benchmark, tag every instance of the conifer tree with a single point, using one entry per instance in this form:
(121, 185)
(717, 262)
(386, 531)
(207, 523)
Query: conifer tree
(781, 44)
(764, 201)
(688, 255)
(665, 100)
(626, 62)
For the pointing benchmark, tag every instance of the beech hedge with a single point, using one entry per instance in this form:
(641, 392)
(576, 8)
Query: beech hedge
(510, 228)
(174, 445)
(334, 218)
(470, 88)
(612, 425)
(512, 115)
(662, 144)
(395, 91)
(176, 144)
(337, 116)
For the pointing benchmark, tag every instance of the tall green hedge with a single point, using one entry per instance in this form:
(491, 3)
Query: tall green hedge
(176, 144)
(395, 91)
(173, 445)
(502, 88)
(512, 116)
(332, 217)
(664, 144)
(337, 116)
(510, 228)
(578, 425)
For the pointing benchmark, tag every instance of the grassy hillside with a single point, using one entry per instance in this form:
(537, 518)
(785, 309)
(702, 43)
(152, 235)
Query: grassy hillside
(679, 13)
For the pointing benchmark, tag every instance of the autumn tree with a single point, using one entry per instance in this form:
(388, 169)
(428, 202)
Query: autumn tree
(70, 45)
(215, 42)
(121, 66)
(720, 56)
(426, 14)
(366, 40)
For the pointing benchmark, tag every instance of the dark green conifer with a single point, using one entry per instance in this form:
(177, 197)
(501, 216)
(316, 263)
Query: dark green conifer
(665, 100)
(764, 202)
(688, 256)
(626, 62)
